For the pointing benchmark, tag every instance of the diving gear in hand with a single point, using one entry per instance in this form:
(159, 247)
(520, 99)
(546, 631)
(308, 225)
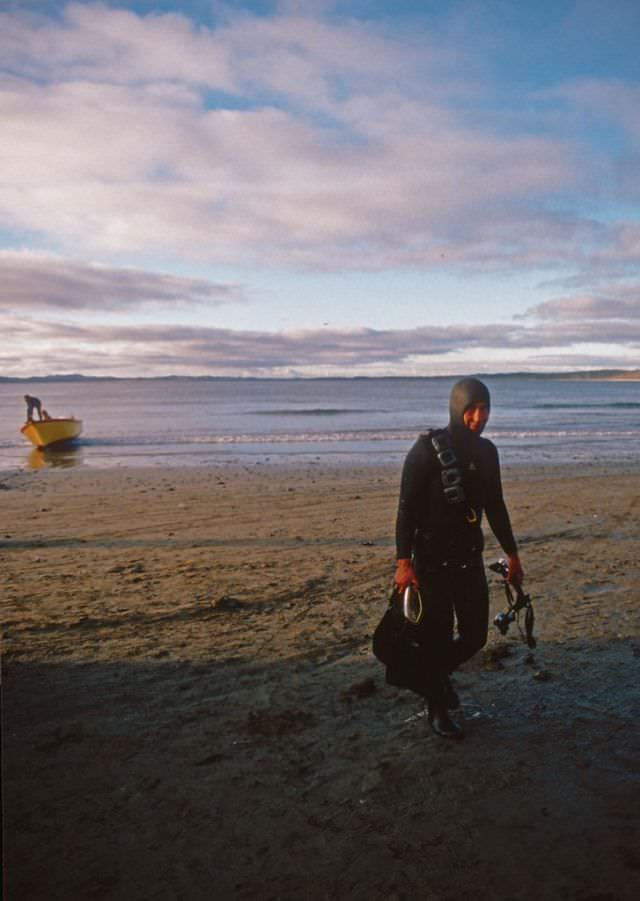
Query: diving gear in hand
(521, 602)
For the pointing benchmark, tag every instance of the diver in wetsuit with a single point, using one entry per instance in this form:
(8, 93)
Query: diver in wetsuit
(450, 477)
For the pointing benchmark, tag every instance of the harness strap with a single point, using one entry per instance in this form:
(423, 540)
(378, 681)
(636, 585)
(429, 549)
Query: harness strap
(450, 475)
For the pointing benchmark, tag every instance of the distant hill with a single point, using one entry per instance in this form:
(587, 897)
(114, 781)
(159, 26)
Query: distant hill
(73, 377)
(587, 375)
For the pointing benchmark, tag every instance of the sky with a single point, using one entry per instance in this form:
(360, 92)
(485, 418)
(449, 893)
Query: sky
(283, 188)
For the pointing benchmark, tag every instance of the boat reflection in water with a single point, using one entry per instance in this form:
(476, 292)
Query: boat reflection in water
(63, 456)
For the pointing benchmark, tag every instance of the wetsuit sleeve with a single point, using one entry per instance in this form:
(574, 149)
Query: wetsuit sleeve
(412, 484)
(495, 507)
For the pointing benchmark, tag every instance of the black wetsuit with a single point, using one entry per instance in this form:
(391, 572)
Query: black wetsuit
(446, 542)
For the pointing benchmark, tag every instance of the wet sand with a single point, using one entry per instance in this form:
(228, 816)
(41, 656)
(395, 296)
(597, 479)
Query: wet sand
(191, 708)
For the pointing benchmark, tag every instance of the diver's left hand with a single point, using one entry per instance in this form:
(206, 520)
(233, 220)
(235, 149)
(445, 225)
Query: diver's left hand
(515, 573)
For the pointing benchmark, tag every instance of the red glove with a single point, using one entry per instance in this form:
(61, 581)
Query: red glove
(515, 573)
(405, 574)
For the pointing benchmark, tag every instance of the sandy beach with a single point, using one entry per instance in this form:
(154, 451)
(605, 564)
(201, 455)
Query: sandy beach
(191, 708)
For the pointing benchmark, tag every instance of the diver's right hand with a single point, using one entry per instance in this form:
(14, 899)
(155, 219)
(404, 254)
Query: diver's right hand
(405, 574)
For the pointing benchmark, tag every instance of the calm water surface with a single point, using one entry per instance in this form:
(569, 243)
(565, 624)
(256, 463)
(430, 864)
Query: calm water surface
(200, 422)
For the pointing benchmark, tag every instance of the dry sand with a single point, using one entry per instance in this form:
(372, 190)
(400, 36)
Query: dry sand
(191, 709)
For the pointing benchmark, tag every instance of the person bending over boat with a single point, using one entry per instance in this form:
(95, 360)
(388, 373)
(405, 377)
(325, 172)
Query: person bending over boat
(33, 404)
(450, 477)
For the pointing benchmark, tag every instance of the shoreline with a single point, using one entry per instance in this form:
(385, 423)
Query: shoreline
(281, 464)
(192, 709)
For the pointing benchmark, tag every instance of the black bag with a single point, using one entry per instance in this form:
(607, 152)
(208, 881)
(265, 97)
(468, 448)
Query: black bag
(396, 644)
(388, 632)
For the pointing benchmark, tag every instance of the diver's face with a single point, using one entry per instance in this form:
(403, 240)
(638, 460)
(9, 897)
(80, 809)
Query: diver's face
(476, 417)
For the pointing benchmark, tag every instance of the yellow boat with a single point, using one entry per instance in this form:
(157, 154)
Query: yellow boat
(46, 432)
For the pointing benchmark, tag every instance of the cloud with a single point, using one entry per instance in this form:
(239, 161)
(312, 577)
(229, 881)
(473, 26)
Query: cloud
(610, 100)
(188, 350)
(610, 107)
(122, 172)
(310, 141)
(332, 146)
(44, 298)
(611, 322)
(95, 43)
(591, 308)
(45, 283)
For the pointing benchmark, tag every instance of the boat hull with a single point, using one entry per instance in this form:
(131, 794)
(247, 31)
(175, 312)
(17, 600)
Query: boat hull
(49, 432)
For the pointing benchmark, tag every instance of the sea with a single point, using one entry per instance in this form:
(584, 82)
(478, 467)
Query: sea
(337, 421)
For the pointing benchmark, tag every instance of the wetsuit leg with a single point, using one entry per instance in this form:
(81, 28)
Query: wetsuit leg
(436, 629)
(471, 605)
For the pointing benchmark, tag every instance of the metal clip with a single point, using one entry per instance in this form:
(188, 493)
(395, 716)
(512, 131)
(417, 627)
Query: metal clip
(450, 477)
(454, 494)
(412, 605)
(447, 457)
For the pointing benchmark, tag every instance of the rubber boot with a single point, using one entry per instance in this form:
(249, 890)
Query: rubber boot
(441, 722)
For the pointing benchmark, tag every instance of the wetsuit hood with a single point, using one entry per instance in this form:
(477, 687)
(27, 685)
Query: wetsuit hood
(465, 394)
